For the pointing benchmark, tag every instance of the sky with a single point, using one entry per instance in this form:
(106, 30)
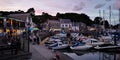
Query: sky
(89, 7)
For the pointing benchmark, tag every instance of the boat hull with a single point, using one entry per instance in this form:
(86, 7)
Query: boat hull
(85, 47)
(60, 47)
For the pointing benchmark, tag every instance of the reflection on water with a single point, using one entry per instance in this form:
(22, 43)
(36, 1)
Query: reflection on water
(85, 55)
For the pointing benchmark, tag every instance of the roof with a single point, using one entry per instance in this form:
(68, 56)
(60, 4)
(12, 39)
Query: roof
(55, 21)
(65, 20)
(76, 24)
(22, 17)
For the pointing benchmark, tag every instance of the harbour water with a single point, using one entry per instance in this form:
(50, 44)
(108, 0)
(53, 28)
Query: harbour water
(85, 55)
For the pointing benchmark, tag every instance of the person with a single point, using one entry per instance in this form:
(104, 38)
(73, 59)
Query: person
(18, 45)
(33, 37)
(30, 38)
(11, 44)
(37, 38)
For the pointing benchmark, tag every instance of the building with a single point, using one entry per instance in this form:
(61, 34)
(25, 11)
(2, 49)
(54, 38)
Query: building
(26, 17)
(98, 28)
(75, 26)
(82, 27)
(13, 25)
(53, 25)
(66, 24)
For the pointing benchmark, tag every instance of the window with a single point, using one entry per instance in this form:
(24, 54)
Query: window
(66, 25)
(62, 25)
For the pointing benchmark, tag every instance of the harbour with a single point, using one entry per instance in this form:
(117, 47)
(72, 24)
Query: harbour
(60, 30)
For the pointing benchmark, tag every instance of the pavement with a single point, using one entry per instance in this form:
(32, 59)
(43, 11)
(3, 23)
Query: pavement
(40, 52)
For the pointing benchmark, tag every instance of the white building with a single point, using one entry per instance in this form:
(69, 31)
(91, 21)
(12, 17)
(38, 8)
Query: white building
(75, 26)
(66, 23)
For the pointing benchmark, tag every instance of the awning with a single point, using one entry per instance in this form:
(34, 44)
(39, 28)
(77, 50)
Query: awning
(35, 28)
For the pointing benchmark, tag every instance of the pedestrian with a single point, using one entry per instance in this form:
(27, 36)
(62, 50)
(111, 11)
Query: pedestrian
(37, 38)
(33, 38)
(17, 45)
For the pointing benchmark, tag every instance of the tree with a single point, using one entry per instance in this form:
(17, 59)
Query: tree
(97, 20)
(31, 11)
(74, 17)
(21, 11)
(105, 23)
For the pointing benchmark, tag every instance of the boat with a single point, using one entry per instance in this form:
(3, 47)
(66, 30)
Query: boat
(59, 45)
(106, 47)
(80, 46)
(54, 38)
(93, 42)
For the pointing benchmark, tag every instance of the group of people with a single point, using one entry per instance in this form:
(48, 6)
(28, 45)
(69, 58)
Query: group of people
(34, 38)
(11, 42)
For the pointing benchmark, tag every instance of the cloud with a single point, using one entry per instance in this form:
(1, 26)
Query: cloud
(79, 6)
(107, 0)
(116, 5)
(100, 5)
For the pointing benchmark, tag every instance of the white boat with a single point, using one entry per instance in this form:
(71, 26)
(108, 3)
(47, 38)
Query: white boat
(54, 38)
(63, 46)
(118, 44)
(93, 42)
(106, 46)
(80, 46)
(59, 45)
(84, 47)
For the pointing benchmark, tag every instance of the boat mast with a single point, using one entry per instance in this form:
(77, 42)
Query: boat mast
(99, 13)
(103, 20)
(119, 19)
(110, 18)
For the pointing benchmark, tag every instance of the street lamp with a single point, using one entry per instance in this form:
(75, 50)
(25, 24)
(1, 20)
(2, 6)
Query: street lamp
(28, 32)
(4, 19)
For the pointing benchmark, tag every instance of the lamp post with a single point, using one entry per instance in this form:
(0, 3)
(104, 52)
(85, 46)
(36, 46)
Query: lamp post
(4, 26)
(28, 27)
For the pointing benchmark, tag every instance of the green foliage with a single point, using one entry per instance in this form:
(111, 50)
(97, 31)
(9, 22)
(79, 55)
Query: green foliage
(105, 23)
(76, 17)
(97, 20)
(31, 11)
(41, 18)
